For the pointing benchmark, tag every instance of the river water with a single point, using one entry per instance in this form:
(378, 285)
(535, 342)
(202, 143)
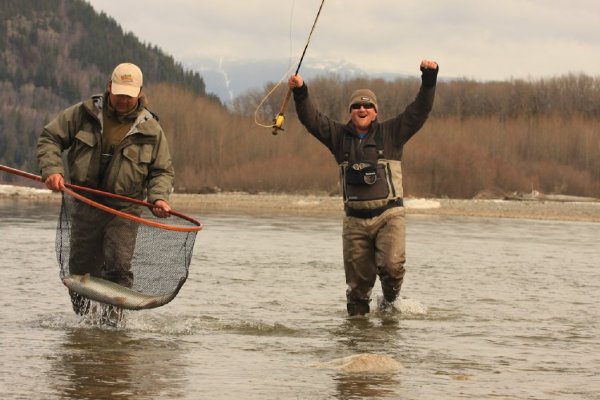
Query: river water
(491, 309)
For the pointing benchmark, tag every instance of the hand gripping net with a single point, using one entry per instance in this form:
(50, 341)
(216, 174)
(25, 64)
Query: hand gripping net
(113, 249)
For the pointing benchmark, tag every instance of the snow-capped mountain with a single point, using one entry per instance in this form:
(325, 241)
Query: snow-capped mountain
(229, 79)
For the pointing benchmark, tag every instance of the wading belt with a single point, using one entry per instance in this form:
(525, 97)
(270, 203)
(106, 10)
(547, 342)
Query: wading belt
(372, 213)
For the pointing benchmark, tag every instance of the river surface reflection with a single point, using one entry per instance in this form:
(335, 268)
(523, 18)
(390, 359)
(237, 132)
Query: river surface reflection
(491, 308)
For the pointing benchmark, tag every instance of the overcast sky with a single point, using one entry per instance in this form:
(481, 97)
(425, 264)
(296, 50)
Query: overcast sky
(476, 39)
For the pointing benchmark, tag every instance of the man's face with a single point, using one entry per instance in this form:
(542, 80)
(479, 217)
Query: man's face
(362, 114)
(121, 102)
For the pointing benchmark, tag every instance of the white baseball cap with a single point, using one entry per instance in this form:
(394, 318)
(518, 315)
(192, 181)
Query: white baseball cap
(127, 79)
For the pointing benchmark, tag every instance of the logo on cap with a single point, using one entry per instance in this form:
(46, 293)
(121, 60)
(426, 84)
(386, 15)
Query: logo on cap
(126, 78)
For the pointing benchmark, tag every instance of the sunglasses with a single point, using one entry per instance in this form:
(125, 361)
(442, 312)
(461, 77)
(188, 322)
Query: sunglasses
(357, 106)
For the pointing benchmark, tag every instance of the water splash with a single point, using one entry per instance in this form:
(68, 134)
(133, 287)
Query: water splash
(412, 308)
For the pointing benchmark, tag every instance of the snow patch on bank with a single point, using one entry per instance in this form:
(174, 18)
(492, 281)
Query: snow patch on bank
(10, 190)
(421, 204)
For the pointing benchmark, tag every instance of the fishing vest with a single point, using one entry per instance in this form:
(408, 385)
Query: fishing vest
(370, 184)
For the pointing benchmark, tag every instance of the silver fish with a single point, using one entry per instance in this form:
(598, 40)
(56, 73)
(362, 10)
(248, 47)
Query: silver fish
(111, 293)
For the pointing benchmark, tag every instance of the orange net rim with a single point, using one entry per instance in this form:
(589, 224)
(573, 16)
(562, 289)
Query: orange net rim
(70, 190)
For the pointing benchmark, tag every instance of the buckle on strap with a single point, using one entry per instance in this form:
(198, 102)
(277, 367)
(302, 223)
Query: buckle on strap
(375, 212)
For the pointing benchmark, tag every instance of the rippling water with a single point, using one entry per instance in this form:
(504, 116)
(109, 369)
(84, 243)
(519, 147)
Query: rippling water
(491, 308)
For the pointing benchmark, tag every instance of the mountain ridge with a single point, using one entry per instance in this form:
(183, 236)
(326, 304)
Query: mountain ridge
(228, 79)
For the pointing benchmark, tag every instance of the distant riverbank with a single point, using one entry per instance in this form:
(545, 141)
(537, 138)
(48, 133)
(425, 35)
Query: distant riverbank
(277, 204)
(283, 203)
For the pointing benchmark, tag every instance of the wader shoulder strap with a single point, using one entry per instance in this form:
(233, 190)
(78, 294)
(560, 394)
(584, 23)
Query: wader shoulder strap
(378, 145)
(346, 146)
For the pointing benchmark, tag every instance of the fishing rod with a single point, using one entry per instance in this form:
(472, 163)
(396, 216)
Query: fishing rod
(280, 117)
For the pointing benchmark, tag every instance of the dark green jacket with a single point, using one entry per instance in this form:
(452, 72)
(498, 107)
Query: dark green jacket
(140, 167)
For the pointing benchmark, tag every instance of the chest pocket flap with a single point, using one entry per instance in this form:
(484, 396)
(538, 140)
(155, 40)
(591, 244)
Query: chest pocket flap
(86, 137)
(139, 153)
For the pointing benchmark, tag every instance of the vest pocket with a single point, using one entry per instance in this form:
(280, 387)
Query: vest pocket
(134, 169)
(80, 158)
(372, 185)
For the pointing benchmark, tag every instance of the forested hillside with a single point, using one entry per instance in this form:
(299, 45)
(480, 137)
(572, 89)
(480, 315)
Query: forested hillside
(483, 138)
(56, 52)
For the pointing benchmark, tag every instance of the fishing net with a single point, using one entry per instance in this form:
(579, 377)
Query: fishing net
(134, 259)
(112, 249)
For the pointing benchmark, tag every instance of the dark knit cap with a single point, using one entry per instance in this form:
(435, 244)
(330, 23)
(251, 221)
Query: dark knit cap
(363, 96)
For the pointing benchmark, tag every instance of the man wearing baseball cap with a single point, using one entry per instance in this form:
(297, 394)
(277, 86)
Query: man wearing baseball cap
(127, 79)
(115, 145)
(368, 153)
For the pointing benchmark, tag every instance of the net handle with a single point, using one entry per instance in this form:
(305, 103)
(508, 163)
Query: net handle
(134, 218)
(84, 199)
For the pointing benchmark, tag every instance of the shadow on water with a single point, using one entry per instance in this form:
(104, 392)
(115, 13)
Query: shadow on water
(364, 334)
(96, 363)
(367, 386)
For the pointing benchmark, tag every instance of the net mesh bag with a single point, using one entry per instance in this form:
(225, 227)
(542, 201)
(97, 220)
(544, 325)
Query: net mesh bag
(131, 255)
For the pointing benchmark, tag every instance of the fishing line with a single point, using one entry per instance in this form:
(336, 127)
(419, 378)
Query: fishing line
(277, 124)
(283, 77)
(291, 24)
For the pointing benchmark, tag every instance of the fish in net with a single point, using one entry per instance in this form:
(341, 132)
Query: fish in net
(114, 254)
(113, 250)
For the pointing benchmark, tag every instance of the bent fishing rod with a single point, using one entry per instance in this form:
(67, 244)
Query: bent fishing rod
(280, 117)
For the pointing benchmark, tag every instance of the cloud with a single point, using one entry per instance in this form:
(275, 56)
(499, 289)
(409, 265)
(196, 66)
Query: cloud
(483, 40)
